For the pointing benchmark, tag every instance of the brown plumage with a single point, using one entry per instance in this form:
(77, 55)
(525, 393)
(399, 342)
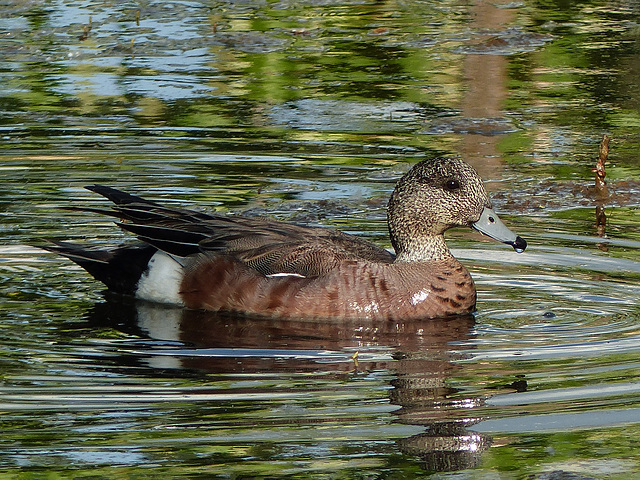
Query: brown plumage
(265, 267)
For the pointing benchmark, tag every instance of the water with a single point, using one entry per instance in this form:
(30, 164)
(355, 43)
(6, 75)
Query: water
(309, 112)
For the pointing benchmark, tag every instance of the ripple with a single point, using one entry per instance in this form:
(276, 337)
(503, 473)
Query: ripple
(568, 350)
(560, 422)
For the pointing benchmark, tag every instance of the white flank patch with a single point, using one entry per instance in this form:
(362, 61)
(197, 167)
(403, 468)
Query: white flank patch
(285, 275)
(419, 297)
(161, 281)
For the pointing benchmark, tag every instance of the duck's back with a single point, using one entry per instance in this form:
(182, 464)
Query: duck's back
(268, 246)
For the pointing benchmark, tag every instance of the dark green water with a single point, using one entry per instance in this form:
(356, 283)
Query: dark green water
(309, 112)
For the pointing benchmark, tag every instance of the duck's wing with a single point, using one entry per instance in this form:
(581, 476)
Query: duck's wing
(269, 246)
(275, 247)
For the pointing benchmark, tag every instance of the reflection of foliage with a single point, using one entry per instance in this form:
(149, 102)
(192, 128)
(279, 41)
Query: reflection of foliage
(583, 83)
(228, 69)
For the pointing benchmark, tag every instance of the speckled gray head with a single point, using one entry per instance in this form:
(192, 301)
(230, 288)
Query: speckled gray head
(435, 195)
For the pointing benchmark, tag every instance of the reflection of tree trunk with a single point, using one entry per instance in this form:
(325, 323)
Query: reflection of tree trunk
(421, 352)
(485, 76)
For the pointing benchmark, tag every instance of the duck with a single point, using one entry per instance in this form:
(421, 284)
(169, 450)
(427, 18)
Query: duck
(268, 268)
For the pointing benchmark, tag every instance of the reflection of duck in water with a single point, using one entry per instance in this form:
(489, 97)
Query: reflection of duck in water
(265, 267)
(411, 360)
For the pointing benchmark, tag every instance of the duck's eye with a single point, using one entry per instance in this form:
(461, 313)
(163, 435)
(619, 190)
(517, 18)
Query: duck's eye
(452, 185)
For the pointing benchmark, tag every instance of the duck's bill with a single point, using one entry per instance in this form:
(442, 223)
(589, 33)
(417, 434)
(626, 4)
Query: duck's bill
(491, 225)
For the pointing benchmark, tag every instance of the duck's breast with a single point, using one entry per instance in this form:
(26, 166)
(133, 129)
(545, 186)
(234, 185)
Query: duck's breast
(391, 291)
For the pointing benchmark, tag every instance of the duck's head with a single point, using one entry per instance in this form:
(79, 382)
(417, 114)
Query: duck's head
(435, 195)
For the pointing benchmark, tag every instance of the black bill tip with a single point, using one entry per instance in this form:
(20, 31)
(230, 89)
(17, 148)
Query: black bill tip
(519, 245)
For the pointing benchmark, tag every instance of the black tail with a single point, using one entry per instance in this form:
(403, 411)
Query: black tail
(119, 268)
(118, 196)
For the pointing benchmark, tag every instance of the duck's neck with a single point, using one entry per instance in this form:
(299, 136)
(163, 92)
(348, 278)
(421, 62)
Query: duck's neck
(425, 249)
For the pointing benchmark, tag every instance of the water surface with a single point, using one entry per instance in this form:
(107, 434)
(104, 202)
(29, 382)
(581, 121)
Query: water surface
(309, 112)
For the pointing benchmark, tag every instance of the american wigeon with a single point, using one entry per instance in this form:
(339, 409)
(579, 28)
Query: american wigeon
(265, 267)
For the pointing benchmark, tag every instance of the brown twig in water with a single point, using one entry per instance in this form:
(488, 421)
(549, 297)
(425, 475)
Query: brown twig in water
(601, 185)
(85, 31)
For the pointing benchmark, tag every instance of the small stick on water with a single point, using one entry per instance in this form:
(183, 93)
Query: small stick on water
(85, 31)
(601, 185)
(356, 364)
(137, 18)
